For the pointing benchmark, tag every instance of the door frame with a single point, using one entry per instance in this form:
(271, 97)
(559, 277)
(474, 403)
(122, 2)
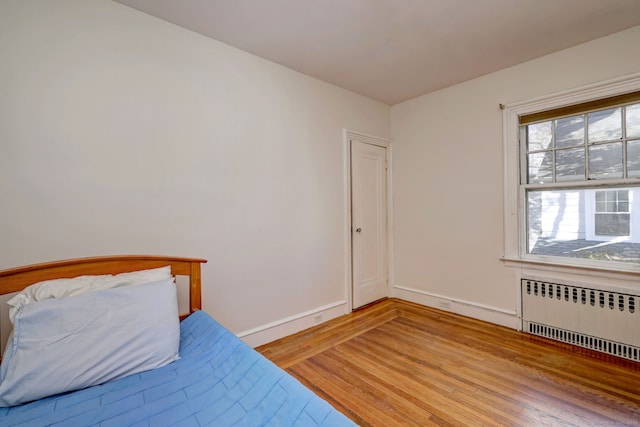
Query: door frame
(348, 136)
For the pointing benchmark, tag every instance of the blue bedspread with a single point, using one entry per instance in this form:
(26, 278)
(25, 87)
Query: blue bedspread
(218, 381)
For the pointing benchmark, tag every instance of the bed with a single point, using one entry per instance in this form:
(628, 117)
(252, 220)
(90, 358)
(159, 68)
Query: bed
(213, 379)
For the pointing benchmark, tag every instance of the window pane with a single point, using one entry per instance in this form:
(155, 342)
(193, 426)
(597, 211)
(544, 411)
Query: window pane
(633, 159)
(570, 131)
(612, 224)
(633, 121)
(622, 195)
(540, 168)
(605, 125)
(539, 136)
(605, 161)
(570, 165)
(564, 223)
(555, 215)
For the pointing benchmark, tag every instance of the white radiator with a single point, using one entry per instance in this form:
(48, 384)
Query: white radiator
(601, 320)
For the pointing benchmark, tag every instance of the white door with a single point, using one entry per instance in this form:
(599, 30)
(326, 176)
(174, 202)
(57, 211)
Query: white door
(369, 223)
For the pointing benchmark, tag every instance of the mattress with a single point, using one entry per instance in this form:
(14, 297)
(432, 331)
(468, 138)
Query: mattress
(218, 381)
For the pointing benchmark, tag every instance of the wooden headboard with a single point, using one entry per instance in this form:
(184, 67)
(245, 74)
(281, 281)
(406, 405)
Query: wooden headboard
(16, 279)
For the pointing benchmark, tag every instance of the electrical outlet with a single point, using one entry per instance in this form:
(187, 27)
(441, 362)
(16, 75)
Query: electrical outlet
(317, 318)
(444, 304)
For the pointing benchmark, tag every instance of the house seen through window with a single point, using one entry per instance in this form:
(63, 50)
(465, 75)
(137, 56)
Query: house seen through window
(580, 176)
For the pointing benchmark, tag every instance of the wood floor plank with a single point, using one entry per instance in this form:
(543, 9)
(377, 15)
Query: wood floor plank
(401, 364)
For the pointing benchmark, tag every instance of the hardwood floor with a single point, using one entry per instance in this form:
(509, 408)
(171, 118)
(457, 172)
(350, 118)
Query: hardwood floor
(401, 364)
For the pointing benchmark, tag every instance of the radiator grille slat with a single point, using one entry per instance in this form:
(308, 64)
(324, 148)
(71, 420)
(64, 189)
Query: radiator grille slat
(601, 320)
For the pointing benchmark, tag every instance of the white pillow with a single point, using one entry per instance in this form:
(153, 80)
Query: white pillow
(62, 288)
(68, 344)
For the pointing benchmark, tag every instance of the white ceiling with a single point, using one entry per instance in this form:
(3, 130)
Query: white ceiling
(394, 50)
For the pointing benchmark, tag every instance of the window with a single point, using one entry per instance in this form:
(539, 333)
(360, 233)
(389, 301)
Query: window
(573, 152)
(612, 213)
(576, 162)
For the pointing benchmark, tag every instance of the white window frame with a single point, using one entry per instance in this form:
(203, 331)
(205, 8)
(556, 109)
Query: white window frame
(515, 238)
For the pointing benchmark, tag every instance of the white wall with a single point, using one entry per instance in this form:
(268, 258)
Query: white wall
(448, 175)
(121, 133)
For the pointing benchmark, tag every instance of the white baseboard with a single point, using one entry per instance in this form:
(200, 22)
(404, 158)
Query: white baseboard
(292, 324)
(296, 323)
(466, 308)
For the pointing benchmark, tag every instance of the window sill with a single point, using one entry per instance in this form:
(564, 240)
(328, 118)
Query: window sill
(621, 270)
